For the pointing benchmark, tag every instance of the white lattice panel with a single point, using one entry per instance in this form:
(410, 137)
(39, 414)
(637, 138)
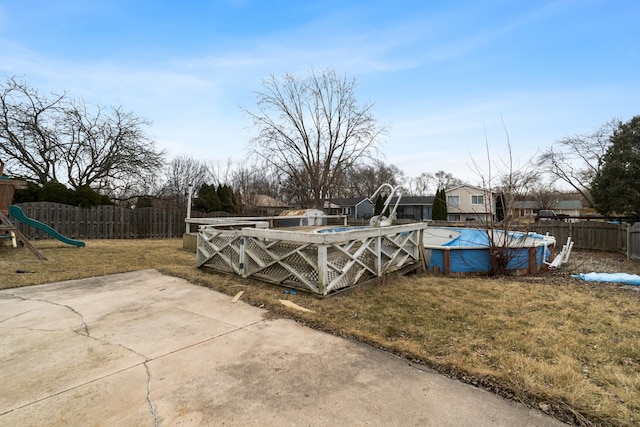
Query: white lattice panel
(319, 263)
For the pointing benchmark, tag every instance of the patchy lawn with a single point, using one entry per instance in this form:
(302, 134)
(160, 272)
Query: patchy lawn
(566, 347)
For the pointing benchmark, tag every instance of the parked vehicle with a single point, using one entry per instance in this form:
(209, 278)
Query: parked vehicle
(549, 215)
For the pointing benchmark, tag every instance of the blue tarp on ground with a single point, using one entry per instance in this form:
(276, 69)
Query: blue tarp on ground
(627, 279)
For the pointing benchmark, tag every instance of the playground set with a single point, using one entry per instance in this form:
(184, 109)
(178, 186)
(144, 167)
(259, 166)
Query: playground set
(8, 231)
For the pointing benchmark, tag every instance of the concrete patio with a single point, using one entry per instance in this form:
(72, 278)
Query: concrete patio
(141, 348)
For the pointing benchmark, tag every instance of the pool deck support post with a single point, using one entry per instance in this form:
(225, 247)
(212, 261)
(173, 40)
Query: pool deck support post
(378, 260)
(533, 265)
(421, 257)
(323, 276)
(446, 261)
(241, 257)
(189, 195)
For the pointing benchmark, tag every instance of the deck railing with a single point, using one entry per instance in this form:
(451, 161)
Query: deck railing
(320, 263)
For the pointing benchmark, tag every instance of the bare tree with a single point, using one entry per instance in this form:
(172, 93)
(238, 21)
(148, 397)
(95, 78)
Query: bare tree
(544, 197)
(362, 180)
(29, 131)
(421, 185)
(446, 180)
(508, 180)
(254, 181)
(179, 174)
(295, 189)
(221, 172)
(127, 190)
(102, 145)
(575, 160)
(313, 130)
(55, 138)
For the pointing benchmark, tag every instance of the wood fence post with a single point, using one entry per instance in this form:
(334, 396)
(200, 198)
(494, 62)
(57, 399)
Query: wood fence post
(628, 241)
(446, 261)
(533, 264)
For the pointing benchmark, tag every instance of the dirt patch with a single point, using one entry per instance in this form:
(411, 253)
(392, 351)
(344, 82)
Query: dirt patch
(584, 261)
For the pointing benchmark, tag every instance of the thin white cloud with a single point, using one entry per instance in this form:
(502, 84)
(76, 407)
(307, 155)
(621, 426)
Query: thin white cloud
(408, 65)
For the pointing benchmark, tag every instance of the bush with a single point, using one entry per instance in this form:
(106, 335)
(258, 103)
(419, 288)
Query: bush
(29, 194)
(84, 196)
(144, 202)
(56, 192)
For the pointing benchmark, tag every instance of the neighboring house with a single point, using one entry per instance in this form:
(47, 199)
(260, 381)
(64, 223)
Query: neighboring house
(469, 203)
(464, 203)
(263, 205)
(417, 208)
(351, 207)
(530, 208)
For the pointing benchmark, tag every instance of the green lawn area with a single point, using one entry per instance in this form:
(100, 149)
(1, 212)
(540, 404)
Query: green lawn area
(570, 349)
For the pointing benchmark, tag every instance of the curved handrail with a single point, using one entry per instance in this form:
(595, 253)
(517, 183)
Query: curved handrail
(380, 220)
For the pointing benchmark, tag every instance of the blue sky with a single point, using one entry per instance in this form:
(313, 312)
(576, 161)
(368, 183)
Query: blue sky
(443, 75)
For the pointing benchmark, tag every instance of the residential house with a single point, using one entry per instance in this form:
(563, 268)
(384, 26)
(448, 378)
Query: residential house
(352, 207)
(263, 205)
(530, 208)
(464, 203)
(417, 208)
(470, 203)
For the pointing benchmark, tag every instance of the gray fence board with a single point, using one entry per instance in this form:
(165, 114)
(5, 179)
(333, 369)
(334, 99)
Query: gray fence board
(112, 222)
(586, 234)
(101, 222)
(633, 239)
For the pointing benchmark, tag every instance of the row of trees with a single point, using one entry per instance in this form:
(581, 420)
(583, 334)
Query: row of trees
(602, 166)
(83, 196)
(217, 199)
(315, 141)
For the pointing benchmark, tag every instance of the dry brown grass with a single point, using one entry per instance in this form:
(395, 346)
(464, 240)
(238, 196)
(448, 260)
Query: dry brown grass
(571, 349)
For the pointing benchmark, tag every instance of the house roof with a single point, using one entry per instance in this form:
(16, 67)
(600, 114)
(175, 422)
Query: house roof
(404, 201)
(347, 201)
(415, 200)
(475, 187)
(262, 200)
(328, 205)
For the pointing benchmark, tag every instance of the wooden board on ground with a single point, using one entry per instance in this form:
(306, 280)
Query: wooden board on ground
(237, 296)
(295, 306)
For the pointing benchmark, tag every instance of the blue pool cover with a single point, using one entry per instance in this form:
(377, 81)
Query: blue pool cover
(477, 259)
(627, 279)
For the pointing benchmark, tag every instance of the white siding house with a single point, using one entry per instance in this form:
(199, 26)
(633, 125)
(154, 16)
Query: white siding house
(470, 203)
(529, 208)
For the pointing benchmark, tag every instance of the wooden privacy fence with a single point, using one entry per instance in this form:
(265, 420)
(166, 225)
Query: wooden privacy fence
(591, 235)
(112, 222)
(633, 242)
(101, 222)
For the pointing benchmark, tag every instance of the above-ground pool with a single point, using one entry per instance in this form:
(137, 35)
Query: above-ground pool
(313, 261)
(467, 250)
(339, 229)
